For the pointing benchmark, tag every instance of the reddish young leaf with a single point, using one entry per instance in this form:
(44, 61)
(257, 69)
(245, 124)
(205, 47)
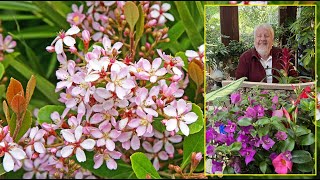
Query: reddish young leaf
(14, 88)
(196, 72)
(30, 88)
(18, 104)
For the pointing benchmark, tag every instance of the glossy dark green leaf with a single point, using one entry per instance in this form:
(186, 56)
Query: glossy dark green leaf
(306, 140)
(286, 145)
(44, 114)
(143, 167)
(157, 124)
(302, 130)
(198, 125)
(12, 17)
(301, 156)
(123, 171)
(306, 167)
(2, 171)
(192, 143)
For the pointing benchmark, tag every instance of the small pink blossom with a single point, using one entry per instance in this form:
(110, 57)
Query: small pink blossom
(65, 38)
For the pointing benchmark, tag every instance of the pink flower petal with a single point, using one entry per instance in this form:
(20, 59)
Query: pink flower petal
(181, 106)
(170, 111)
(141, 130)
(169, 148)
(147, 146)
(157, 146)
(98, 160)
(135, 142)
(78, 133)
(111, 164)
(163, 155)
(28, 175)
(110, 145)
(73, 30)
(190, 117)
(69, 41)
(58, 47)
(39, 147)
(156, 163)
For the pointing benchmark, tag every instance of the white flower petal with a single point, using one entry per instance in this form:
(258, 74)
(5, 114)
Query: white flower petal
(69, 41)
(68, 136)
(191, 53)
(67, 151)
(170, 111)
(88, 144)
(17, 153)
(165, 7)
(81, 156)
(181, 106)
(73, 30)
(168, 16)
(58, 47)
(39, 147)
(171, 124)
(155, 14)
(78, 133)
(184, 128)
(190, 117)
(8, 163)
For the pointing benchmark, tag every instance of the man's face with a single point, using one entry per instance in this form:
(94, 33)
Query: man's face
(263, 41)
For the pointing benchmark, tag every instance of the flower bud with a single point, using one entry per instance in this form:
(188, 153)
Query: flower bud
(50, 49)
(86, 36)
(73, 49)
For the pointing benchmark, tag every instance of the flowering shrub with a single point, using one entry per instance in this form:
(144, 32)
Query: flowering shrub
(121, 95)
(261, 132)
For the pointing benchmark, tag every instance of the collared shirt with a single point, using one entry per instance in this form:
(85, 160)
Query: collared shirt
(250, 66)
(267, 65)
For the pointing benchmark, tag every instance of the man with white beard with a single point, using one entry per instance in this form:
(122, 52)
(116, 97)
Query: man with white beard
(259, 63)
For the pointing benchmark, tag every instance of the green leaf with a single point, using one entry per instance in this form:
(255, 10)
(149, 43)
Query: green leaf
(25, 125)
(228, 170)
(61, 7)
(2, 171)
(52, 65)
(279, 126)
(139, 26)
(236, 146)
(157, 124)
(43, 85)
(52, 14)
(200, 10)
(142, 166)
(189, 24)
(123, 171)
(192, 143)
(18, 6)
(302, 130)
(184, 58)
(44, 31)
(301, 156)
(244, 122)
(197, 125)
(131, 13)
(46, 111)
(263, 121)
(1, 70)
(2, 91)
(174, 33)
(263, 167)
(286, 145)
(306, 140)
(12, 17)
(263, 131)
(224, 91)
(306, 167)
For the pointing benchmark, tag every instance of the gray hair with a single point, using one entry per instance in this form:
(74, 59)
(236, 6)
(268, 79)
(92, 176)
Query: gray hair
(264, 26)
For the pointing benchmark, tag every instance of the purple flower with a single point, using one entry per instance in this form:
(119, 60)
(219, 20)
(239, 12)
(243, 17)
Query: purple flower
(243, 139)
(246, 129)
(260, 110)
(216, 166)
(278, 113)
(230, 127)
(273, 156)
(210, 134)
(275, 100)
(280, 135)
(235, 98)
(250, 112)
(267, 142)
(210, 150)
(248, 153)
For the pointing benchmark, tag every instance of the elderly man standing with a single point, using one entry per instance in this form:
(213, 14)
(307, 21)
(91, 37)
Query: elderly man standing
(259, 63)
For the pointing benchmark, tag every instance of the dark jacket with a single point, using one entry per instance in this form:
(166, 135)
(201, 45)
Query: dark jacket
(250, 66)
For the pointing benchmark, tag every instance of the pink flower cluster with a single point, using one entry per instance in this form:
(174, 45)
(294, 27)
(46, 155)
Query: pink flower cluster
(100, 16)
